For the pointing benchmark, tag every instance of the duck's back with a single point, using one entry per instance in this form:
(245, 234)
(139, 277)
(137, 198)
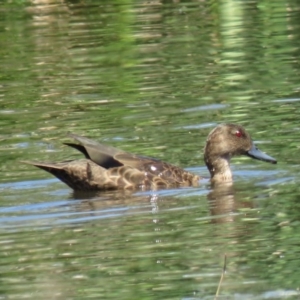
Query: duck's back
(106, 168)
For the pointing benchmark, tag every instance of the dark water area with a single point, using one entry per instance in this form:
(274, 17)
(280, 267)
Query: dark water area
(153, 78)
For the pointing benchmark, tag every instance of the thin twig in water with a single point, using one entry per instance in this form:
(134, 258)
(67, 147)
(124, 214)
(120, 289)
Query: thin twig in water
(222, 276)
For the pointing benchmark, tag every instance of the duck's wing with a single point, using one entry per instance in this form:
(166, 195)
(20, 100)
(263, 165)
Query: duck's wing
(109, 157)
(102, 155)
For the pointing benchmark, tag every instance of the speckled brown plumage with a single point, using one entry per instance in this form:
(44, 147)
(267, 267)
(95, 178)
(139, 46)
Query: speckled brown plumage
(107, 168)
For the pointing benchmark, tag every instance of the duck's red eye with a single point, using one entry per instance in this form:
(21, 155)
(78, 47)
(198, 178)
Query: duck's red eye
(238, 133)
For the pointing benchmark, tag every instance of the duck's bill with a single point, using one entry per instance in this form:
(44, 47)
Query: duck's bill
(257, 154)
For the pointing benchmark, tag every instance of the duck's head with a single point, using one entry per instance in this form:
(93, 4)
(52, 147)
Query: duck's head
(226, 141)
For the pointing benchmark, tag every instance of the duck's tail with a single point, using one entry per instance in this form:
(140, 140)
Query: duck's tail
(78, 174)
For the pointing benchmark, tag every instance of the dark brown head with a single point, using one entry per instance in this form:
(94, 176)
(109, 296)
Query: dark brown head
(228, 140)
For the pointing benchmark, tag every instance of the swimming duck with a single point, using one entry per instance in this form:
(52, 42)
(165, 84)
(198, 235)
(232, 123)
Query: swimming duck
(107, 168)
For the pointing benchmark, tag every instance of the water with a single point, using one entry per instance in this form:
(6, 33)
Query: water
(149, 77)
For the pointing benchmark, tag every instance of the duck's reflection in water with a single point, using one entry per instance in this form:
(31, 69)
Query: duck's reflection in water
(118, 203)
(222, 203)
(221, 200)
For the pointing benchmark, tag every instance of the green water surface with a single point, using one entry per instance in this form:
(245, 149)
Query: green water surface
(149, 77)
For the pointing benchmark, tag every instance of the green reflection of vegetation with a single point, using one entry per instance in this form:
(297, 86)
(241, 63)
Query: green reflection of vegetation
(12, 3)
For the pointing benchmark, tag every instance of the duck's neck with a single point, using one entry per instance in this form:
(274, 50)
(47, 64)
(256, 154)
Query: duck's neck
(219, 168)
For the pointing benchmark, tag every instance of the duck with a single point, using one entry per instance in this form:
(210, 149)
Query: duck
(108, 168)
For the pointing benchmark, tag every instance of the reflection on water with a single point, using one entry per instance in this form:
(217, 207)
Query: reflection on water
(152, 231)
(153, 78)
